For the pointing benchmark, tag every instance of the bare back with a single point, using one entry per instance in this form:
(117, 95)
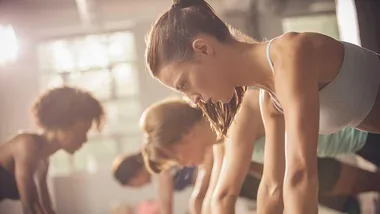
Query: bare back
(15, 146)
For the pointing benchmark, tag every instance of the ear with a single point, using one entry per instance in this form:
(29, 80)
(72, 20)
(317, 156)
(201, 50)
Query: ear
(203, 46)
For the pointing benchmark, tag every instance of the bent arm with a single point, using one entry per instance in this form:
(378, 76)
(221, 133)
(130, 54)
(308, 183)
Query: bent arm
(238, 154)
(269, 199)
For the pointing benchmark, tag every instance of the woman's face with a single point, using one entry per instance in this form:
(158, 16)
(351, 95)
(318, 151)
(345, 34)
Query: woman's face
(202, 78)
(72, 138)
(141, 179)
(192, 148)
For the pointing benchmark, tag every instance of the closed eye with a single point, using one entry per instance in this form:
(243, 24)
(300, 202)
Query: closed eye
(183, 86)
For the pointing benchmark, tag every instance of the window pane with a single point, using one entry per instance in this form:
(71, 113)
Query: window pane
(45, 58)
(96, 155)
(324, 24)
(91, 52)
(126, 80)
(59, 164)
(122, 117)
(98, 82)
(51, 81)
(122, 47)
(63, 59)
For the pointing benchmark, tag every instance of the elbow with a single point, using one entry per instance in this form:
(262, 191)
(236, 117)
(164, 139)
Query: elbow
(301, 178)
(222, 200)
(270, 190)
(196, 200)
(198, 194)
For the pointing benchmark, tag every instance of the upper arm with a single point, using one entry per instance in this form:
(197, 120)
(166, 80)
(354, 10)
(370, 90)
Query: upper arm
(42, 170)
(25, 165)
(300, 100)
(217, 161)
(165, 186)
(274, 153)
(239, 147)
(202, 182)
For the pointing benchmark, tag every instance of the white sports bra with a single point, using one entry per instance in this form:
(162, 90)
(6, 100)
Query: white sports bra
(350, 96)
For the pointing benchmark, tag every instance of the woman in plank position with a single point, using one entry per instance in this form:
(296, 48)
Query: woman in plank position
(310, 83)
(64, 115)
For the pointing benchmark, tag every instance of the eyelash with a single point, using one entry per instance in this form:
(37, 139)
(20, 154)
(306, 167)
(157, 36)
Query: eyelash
(183, 86)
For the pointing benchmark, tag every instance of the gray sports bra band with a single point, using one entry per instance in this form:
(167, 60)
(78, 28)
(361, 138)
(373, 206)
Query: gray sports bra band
(350, 96)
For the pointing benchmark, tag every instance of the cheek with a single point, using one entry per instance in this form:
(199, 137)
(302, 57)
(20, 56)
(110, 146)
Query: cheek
(63, 137)
(201, 79)
(69, 138)
(192, 151)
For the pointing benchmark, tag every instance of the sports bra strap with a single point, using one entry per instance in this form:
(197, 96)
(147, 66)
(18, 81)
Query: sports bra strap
(268, 54)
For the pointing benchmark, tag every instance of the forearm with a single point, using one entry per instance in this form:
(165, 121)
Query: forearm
(301, 194)
(206, 205)
(223, 205)
(30, 201)
(269, 199)
(166, 208)
(46, 202)
(196, 205)
(32, 208)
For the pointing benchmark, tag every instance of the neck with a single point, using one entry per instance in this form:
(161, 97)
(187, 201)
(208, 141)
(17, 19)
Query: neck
(52, 144)
(251, 67)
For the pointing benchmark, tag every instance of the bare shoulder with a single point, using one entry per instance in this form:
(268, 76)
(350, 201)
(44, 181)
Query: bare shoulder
(26, 145)
(250, 105)
(314, 45)
(250, 108)
(301, 40)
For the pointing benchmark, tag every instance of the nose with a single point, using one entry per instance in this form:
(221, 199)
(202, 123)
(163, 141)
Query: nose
(195, 98)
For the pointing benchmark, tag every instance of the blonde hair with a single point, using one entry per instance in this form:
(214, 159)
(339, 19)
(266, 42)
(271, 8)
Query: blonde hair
(164, 124)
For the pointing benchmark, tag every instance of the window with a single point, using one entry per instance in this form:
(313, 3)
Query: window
(320, 23)
(105, 65)
(9, 45)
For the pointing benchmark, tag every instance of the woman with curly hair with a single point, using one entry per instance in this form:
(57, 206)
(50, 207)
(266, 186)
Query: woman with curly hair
(64, 116)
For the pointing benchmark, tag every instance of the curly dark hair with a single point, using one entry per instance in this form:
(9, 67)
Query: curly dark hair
(61, 107)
